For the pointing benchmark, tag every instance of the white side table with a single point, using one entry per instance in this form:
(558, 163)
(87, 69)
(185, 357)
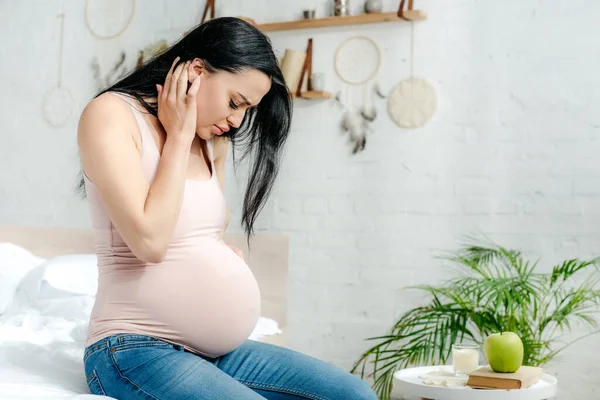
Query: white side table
(409, 383)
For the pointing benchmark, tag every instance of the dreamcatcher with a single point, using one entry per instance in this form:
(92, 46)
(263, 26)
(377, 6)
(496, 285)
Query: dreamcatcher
(107, 19)
(357, 62)
(413, 101)
(58, 103)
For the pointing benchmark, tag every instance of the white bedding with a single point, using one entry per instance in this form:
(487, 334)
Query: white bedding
(43, 330)
(40, 359)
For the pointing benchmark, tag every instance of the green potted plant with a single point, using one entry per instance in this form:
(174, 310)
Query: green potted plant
(494, 289)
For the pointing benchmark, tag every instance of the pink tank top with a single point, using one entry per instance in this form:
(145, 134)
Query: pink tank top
(202, 296)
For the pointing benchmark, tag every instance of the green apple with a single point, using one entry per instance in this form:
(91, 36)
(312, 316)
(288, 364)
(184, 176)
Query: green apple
(504, 351)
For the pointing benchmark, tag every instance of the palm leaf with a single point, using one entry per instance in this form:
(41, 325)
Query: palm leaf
(569, 268)
(486, 259)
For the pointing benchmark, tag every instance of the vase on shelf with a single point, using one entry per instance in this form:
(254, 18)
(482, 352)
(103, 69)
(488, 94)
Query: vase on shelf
(373, 6)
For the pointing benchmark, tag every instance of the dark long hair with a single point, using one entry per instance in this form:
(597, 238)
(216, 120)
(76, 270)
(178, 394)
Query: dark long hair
(232, 45)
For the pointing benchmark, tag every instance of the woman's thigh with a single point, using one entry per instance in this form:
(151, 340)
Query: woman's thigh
(143, 367)
(277, 373)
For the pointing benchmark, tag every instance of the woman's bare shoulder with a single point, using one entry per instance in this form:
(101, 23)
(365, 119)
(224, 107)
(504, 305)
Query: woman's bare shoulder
(109, 114)
(106, 103)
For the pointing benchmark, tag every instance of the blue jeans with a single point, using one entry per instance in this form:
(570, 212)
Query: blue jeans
(128, 366)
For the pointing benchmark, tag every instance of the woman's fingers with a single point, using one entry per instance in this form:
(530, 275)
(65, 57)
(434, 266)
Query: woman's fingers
(239, 253)
(193, 91)
(169, 77)
(182, 83)
(172, 94)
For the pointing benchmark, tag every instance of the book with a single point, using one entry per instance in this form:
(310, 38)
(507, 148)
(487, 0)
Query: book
(486, 378)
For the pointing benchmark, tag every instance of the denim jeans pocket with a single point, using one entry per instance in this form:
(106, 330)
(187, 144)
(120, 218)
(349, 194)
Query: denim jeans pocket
(94, 384)
(134, 338)
(126, 342)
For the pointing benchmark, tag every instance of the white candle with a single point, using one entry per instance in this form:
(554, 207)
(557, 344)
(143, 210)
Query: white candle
(465, 360)
(318, 81)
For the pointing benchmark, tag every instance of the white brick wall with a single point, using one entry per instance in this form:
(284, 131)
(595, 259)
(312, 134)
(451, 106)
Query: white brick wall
(512, 152)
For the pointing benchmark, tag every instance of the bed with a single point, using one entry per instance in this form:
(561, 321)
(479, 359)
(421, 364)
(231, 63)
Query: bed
(41, 358)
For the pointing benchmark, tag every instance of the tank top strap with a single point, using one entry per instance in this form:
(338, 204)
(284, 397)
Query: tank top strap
(211, 150)
(146, 135)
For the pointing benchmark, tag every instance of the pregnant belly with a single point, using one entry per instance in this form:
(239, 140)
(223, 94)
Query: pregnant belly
(206, 299)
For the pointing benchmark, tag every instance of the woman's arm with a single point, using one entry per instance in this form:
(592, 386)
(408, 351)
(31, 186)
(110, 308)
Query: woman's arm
(144, 215)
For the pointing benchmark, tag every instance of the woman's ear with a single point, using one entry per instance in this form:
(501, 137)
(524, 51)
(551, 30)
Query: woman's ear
(196, 68)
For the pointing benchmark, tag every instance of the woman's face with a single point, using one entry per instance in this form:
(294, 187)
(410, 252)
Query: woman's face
(224, 97)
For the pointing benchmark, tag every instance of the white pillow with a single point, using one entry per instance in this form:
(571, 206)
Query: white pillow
(15, 263)
(77, 273)
(63, 286)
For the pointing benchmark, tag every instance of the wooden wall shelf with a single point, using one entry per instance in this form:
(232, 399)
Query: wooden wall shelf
(409, 15)
(314, 95)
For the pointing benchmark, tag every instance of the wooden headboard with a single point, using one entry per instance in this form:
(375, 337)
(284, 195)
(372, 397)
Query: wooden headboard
(268, 258)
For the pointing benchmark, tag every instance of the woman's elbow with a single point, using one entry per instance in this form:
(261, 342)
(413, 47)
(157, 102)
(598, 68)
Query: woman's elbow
(151, 251)
(152, 257)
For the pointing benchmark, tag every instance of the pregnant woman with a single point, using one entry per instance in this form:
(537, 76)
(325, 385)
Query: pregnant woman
(175, 304)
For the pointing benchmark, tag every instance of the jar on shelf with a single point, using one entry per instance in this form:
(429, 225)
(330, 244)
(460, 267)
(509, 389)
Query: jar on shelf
(341, 8)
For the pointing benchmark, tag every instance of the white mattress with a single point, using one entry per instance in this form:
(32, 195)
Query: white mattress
(44, 326)
(30, 371)
(40, 358)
